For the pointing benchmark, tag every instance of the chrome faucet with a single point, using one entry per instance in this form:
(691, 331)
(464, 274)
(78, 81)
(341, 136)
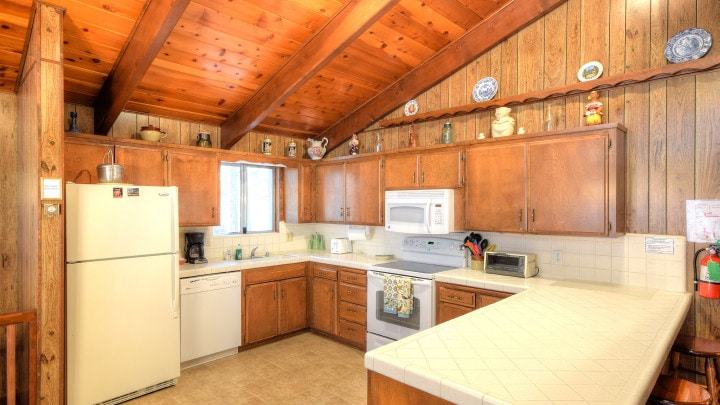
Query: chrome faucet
(252, 253)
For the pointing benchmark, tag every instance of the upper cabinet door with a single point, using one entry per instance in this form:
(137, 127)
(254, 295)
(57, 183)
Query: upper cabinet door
(568, 185)
(362, 193)
(329, 193)
(495, 190)
(197, 178)
(143, 166)
(441, 170)
(401, 172)
(81, 160)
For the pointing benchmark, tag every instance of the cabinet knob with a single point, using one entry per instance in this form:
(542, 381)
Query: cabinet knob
(347, 212)
(413, 178)
(342, 212)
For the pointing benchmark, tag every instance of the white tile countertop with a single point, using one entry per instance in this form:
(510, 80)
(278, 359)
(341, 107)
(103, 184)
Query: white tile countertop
(555, 342)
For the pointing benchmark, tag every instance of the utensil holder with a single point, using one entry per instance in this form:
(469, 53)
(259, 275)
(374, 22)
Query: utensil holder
(477, 263)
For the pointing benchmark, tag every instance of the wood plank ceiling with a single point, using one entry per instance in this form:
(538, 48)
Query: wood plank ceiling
(301, 68)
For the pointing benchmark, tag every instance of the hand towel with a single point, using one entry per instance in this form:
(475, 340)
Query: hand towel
(398, 295)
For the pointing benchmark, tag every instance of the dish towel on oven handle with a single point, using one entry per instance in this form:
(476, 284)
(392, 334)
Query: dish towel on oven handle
(398, 295)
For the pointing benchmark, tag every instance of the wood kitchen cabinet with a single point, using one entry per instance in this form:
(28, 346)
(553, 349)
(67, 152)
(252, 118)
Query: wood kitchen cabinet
(452, 300)
(352, 307)
(324, 298)
(443, 169)
(297, 183)
(144, 166)
(570, 182)
(274, 301)
(197, 177)
(81, 158)
(349, 192)
(194, 172)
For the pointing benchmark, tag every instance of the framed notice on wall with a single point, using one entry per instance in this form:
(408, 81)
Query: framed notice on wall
(703, 220)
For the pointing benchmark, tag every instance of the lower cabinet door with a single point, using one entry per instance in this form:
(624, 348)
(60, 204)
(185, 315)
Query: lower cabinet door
(446, 312)
(293, 304)
(261, 317)
(324, 305)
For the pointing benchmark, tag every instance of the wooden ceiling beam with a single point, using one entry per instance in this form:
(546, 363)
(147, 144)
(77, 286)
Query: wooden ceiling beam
(151, 31)
(503, 23)
(339, 32)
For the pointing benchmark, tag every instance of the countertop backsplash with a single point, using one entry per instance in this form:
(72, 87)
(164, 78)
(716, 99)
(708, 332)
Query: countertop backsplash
(622, 260)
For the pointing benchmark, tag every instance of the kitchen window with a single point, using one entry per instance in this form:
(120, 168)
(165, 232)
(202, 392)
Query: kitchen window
(247, 199)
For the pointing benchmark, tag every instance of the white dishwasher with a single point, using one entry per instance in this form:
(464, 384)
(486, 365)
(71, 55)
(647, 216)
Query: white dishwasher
(209, 317)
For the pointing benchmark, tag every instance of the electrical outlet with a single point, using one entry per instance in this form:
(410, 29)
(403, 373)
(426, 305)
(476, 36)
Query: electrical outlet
(557, 256)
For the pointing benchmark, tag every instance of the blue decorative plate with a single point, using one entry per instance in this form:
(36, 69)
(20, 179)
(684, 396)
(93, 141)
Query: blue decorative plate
(485, 89)
(690, 44)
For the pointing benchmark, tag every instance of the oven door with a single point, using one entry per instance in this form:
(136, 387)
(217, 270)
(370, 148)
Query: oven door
(390, 325)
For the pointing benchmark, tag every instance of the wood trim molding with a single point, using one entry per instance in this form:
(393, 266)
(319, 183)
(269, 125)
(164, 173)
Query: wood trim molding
(627, 79)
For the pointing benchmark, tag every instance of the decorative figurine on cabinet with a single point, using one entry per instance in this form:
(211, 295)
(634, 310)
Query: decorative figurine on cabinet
(412, 142)
(593, 109)
(354, 145)
(503, 124)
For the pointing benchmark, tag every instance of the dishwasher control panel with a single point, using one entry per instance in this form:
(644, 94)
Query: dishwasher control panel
(209, 282)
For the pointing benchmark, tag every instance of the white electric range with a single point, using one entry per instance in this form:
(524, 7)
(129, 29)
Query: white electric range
(422, 256)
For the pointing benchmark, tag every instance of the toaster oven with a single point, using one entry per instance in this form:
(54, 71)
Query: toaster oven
(511, 264)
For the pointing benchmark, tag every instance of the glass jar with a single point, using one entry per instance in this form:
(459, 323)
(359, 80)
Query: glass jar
(448, 135)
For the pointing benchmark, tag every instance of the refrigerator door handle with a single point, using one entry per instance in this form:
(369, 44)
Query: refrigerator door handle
(175, 286)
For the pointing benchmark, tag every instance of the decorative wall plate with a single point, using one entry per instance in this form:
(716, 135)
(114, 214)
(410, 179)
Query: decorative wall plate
(590, 71)
(411, 107)
(485, 89)
(690, 44)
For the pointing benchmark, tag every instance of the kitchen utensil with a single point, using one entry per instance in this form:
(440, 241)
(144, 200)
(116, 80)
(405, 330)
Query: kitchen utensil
(109, 172)
(152, 133)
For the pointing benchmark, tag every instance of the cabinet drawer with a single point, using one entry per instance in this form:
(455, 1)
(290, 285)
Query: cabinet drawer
(352, 293)
(274, 273)
(325, 272)
(458, 297)
(353, 312)
(352, 277)
(352, 332)
(491, 297)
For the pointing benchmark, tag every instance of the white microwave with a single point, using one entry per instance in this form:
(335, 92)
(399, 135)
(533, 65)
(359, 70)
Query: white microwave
(420, 211)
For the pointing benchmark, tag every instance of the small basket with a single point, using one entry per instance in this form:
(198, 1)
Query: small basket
(109, 172)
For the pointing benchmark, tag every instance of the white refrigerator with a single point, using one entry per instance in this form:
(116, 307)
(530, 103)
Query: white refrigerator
(122, 291)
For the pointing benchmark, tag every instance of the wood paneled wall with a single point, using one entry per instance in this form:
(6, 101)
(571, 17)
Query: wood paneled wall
(672, 150)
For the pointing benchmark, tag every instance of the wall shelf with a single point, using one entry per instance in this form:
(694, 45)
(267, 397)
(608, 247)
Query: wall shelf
(627, 79)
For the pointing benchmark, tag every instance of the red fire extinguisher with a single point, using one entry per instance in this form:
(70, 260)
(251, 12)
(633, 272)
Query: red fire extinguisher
(707, 282)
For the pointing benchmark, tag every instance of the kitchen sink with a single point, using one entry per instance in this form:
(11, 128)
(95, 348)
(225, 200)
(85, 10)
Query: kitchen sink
(271, 257)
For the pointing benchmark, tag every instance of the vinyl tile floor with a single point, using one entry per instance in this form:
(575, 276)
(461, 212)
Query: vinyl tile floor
(302, 369)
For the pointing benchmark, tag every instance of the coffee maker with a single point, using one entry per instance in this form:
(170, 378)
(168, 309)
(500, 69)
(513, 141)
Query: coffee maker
(195, 247)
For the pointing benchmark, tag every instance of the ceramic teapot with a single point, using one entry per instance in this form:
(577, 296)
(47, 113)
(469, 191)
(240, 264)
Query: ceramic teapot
(316, 150)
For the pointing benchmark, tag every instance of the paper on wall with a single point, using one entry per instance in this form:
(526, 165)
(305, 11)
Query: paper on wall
(703, 220)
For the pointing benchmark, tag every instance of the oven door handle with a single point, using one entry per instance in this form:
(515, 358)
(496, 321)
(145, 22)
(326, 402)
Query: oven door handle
(417, 281)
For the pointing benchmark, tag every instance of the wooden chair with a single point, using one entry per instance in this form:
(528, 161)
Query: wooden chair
(671, 390)
(708, 350)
